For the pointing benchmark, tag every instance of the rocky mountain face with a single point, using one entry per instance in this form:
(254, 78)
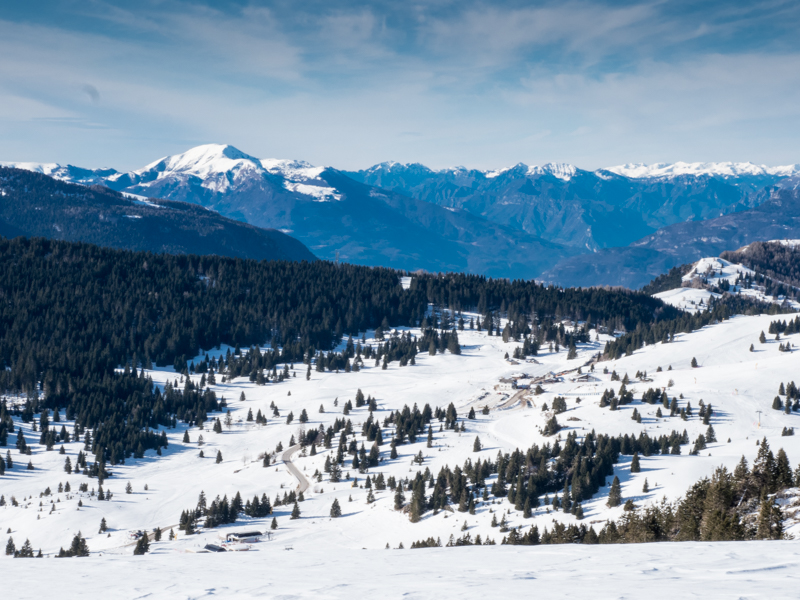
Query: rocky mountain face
(37, 205)
(583, 209)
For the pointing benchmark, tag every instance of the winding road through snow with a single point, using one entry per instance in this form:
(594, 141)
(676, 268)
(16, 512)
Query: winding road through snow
(302, 482)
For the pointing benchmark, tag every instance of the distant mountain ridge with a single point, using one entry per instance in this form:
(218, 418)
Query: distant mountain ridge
(585, 209)
(776, 217)
(517, 222)
(334, 215)
(37, 205)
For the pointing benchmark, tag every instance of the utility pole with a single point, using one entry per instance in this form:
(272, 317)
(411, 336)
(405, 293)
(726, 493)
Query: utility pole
(759, 418)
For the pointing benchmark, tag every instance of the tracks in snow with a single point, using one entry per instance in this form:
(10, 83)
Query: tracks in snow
(302, 482)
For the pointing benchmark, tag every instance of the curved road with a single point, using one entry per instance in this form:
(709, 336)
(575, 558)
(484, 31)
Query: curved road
(302, 482)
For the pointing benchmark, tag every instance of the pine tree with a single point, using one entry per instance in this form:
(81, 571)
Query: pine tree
(142, 545)
(615, 494)
(336, 510)
(103, 526)
(26, 551)
(635, 467)
(694, 363)
(274, 524)
(295, 511)
(770, 520)
(10, 547)
(476, 446)
(762, 338)
(783, 471)
(219, 456)
(78, 546)
(646, 486)
(128, 488)
(399, 497)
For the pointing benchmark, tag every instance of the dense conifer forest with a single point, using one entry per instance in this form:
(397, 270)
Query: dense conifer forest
(775, 260)
(78, 322)
(668, 281)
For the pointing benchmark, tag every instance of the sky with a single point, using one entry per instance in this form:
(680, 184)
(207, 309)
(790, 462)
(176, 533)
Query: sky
(445, 83)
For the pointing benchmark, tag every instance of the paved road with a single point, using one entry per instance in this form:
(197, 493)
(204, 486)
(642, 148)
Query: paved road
(302, 482)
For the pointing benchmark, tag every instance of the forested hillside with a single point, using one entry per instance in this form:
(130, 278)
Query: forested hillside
(72, 313)
(776, 260)
(37, 205)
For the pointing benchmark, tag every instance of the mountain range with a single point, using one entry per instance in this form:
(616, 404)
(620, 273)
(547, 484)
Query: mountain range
(612, 226)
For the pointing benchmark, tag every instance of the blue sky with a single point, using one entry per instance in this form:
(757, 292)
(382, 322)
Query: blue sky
(350, 84)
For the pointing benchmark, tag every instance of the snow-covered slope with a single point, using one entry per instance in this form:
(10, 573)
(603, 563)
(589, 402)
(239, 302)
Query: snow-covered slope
(752, 570)
(737, 382)
(708, 276)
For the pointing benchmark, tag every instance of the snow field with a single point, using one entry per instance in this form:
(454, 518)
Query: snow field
(735, 381)
(745, 570)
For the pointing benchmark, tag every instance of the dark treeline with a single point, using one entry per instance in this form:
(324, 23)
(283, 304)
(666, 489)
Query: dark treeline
(665, 330)
(775, 260)
(667, 281)
(727, 506)
(71, 314)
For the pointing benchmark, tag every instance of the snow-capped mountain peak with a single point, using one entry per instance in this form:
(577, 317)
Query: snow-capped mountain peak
(67, 173)
(203, 161)
(291, 169)
(714, 169)
(563, 171)
(43, 168)
(222, 167)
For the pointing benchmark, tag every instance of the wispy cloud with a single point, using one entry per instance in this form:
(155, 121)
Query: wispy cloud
(347, 83)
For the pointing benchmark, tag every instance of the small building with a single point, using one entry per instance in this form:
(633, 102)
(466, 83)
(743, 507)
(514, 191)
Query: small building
(244, 537)
(585, 377)
(507, 384)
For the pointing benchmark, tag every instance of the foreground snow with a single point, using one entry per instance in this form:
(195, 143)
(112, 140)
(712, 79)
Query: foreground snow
(654, 571)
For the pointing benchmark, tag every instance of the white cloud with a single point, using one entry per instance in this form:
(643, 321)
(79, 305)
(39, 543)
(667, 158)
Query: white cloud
(477, 85)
